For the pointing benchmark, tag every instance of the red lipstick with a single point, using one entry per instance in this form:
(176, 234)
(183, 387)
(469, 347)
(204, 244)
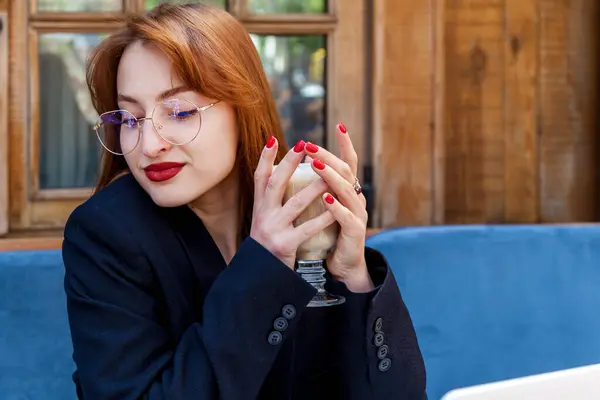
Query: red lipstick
(164, 171)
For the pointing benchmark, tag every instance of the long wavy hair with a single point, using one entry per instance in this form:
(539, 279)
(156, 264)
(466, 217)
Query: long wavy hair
(212, 53)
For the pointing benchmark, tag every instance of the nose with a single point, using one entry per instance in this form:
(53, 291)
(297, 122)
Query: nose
(152, 143)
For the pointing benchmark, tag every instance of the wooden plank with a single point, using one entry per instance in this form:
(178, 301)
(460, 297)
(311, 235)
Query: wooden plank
(406, 121)
(569, 109)
(44, 26)
(521, 62)
(30, 244)
(63, 193)
(54, 241)
(438, 216)
(475, 153)
(283, 28)
(307, 18)
(346, 95)
(18, 117)
(3, 121)
(34, 116)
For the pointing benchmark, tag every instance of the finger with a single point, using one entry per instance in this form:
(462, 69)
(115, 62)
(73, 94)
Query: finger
(308, 159)
(278, 180)
(347, 152)
(313, 226)
(339, 165)
(341, 187)
(264, 168)
(349, 222)
(294, 206)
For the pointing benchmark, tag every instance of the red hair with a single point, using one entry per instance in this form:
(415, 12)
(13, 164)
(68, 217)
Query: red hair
(212, 53)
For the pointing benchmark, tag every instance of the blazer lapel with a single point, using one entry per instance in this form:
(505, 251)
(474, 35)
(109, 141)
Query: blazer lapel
(202, 251)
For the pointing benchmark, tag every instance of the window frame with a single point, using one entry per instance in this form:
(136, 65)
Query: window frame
(4, 186)
(32, 208)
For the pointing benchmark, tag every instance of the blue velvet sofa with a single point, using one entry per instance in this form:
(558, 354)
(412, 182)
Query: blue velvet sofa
(35, 346)
(498, 302)
(488, 303)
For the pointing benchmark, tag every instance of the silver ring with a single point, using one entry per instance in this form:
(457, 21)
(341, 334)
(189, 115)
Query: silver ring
(357, 187)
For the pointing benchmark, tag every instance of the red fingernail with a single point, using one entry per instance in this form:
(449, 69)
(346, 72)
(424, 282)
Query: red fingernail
(329, 199)
(318, 164)
(311, 148)
(299, 146)
(342, 128)
(270, 142)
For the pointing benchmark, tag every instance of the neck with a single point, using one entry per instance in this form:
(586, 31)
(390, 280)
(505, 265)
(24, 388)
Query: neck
(218, 210)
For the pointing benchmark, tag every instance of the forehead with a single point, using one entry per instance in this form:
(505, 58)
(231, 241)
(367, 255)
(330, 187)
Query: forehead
(144, 72)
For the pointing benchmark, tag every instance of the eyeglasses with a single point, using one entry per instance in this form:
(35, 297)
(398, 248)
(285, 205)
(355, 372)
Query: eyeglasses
(176, 121)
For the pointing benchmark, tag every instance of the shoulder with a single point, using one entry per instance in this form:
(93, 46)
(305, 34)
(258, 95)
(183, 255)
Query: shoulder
(120, 198)
(122, 203)
(103, 233)
(115, 220)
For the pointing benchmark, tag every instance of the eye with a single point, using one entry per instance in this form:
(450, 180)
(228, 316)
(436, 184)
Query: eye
(185, 114)
(129, 122)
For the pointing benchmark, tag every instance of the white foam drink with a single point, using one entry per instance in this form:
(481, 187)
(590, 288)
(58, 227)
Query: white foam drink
(318, 246)
(311, 254)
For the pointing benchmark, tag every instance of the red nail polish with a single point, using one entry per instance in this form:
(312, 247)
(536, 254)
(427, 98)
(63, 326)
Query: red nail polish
(342, 128)
(299, 146)
(311, 148)
(318, 164)
(270, 142)
(329, 199)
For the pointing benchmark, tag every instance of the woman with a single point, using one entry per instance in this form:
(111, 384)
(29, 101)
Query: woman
(179, 269)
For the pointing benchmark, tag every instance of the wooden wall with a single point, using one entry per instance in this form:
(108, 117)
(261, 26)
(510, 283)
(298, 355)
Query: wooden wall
(486, 111)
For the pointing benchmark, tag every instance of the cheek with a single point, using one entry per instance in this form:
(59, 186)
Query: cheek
(218, 139)
(213, 154)
(132, 160)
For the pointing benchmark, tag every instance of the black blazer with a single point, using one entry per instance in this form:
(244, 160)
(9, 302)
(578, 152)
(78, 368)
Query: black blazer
(155, 313)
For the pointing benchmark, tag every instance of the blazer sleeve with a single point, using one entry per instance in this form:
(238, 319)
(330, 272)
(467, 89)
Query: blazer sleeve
(379, 342)
(122, 351)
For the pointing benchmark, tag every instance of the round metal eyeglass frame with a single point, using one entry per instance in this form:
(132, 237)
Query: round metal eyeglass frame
(156, 128)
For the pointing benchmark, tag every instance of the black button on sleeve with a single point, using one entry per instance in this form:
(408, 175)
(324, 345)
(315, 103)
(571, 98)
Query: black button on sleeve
(378, 325)
(385, 364)
(288, 311)
(383, 351)
(378, 339)
(280, 324)
(275, 338)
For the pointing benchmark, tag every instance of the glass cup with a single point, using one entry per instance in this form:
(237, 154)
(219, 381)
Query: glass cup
(312, 253)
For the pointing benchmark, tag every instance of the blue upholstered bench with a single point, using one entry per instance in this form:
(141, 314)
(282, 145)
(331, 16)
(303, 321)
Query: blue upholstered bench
(489, 303)
(35, 346)
(497, 302)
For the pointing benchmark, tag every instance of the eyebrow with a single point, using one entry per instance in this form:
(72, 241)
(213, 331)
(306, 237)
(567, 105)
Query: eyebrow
(162, 96)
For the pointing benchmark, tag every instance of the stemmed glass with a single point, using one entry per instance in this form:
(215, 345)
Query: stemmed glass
(312, 253)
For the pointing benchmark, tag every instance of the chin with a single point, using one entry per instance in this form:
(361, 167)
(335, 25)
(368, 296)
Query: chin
(164, 198)
(171, 195)
(168, 194)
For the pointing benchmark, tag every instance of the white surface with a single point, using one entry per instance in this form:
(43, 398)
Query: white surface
(581, 383)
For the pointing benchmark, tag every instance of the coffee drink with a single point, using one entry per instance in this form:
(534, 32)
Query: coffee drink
(312, 253)
(318, 246)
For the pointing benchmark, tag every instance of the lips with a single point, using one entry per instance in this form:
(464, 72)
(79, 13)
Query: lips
(161, 172)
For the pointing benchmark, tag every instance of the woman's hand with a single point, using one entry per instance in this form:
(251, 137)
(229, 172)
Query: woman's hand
(271, 222)
(347, 262)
